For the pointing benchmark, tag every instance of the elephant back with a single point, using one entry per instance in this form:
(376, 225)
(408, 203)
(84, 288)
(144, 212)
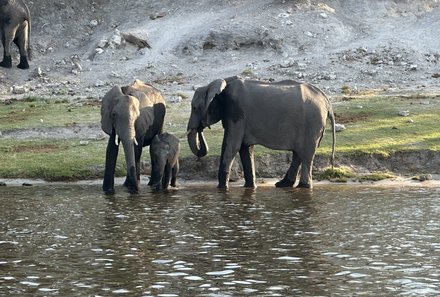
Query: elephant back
(152, 95)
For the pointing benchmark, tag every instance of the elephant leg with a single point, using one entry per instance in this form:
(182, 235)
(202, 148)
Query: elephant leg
(305, 180)
(290, 177)
(247, 161)
(137, 159)
(153, 176)
(110, 165)
(7, 37)
(229, 150)
(22, 42)
(174, 173)
(166, 176)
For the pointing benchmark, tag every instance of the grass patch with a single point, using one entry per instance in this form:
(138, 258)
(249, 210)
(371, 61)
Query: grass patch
(374, 126)
(376, 176)
(34, 112)
(372, 122)
(54, 160)
(337, 174)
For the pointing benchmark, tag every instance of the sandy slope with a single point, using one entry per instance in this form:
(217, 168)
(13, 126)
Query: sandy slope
(361, 44)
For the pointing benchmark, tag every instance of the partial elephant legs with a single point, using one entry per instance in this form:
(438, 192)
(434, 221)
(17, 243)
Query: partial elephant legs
(229, 150)
(110, 165)
(174, 173)
(290, 177)
(19, 36)
(247, 161)
(305, 180)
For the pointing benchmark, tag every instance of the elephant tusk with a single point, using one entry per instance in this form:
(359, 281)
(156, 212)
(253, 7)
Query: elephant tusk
(117, 140)
(135, 141)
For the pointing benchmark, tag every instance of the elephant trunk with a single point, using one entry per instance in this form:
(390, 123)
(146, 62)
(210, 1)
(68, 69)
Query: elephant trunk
(131, 182)
(197, 143)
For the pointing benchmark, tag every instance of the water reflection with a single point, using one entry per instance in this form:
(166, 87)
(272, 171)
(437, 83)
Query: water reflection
(195, 241)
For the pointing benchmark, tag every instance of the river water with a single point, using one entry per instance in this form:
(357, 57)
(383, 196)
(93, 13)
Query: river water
(71, 240)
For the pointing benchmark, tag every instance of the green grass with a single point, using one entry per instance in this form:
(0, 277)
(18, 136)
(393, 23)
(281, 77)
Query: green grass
(376, 128)
(39, 113)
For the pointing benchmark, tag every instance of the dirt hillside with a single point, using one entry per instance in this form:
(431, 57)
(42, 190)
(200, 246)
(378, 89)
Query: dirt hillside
(78, 48)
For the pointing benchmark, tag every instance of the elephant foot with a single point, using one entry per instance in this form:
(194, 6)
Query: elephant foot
(222, 187)
(302, 185)
(23, 63)
(250, 185)
(284, 183)
(109, 191)
(7, 62)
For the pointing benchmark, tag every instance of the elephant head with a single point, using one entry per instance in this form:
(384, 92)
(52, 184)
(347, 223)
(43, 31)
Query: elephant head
(119, 113)
(204, 113)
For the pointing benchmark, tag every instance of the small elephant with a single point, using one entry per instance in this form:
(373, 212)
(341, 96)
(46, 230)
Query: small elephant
(132, 115)
(164, 152)
(15, 26)
(285, 115)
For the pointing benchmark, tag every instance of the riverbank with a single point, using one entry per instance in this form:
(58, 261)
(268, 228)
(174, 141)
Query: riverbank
(383, 82)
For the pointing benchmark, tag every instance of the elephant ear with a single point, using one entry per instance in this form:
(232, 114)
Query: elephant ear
(214, 88)
(108, 101)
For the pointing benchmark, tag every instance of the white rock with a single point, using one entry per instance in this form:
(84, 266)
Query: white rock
(324, 15)
(339, 127)
(102, 43)
(116, 39)
(99, 51)
(413, 67)
(19, 89)
(93, 23)
(404, 113)
(83, 142)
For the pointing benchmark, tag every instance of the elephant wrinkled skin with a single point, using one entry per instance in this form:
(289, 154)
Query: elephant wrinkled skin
(285, 115)
(15, 26)
(164, 152)
(132, 115)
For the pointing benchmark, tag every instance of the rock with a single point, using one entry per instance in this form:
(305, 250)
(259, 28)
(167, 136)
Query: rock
(2, 184)
(19, 90)
(102, 43)
(116, 40)
(175, 99)
(324, 15)
(403, 113)
(93, 23)
(423, 177)
(339, 127)
(99, 83)
(410, 121)
(83, 142)
(99, 51)
(412, 67)
(1, 134)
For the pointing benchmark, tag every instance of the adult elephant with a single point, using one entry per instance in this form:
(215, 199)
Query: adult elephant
(285, 115)
(15, 26)
(132, 115)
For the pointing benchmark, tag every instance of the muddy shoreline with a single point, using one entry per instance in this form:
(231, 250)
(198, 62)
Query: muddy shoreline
(405, 166)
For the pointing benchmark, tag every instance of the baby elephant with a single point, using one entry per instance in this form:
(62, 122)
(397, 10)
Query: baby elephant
(164, 152)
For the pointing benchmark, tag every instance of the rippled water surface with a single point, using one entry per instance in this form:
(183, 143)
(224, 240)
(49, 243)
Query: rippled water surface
(195, 241)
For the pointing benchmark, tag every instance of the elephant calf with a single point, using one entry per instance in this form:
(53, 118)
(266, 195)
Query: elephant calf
(15, 26)
(164, 152)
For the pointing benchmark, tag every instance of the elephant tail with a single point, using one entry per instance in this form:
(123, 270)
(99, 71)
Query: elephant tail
(331, 115)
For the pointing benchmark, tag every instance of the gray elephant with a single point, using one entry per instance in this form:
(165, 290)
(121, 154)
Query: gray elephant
(132, 115)
(164, 152)
(15, 26)
(285, 115)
